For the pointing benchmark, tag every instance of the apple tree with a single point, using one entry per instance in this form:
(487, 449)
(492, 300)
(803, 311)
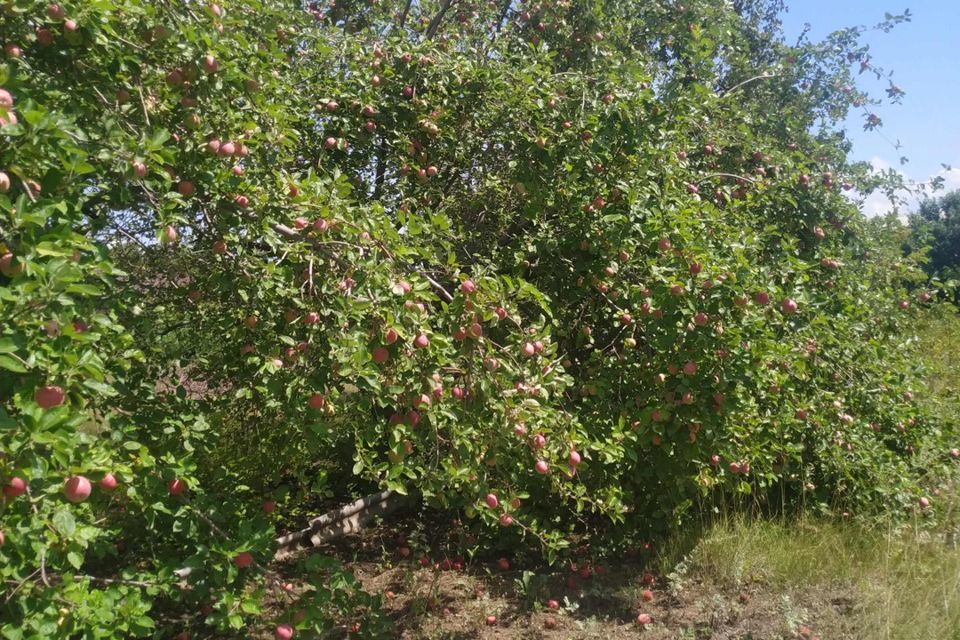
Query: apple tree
(558, 269)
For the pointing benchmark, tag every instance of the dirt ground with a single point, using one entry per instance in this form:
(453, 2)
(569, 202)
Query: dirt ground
(432, 595)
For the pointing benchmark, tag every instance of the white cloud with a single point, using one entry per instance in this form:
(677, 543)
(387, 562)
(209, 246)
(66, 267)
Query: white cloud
(877, 203)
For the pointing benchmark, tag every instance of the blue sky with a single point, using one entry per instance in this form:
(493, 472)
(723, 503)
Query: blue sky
(923, 56)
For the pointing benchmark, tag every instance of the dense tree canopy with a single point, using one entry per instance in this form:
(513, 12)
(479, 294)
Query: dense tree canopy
(936, 225)
(558, 268)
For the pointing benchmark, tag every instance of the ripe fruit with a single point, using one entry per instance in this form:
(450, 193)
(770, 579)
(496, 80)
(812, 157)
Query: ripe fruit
(210, 64)
(550, 622)
(644, 619)
(955, 453)
(268, 506)
(15, 487)
(109, 482)
(316, 401)
(690, 368)
(219, 247)
(176, 487)
(789, 306)
(924, 502)
(761, 297)
(77, 489)
(283, 632)
(185, 188)
(503, 564)
(227, 149)
(468, 286)
(492, 501)
(250, 321)
(380, 355)
(528, 350)
(491, 621)
(553, 604)
(421, 342)
(312, 317)
(243, 559)
(647, 595)
(542, 467)
(169, 235)
(4, 182)
(49, 396)
(574, 458)
(8, 267)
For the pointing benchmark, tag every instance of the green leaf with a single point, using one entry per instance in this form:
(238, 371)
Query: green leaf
(64, 522)
(10, 363)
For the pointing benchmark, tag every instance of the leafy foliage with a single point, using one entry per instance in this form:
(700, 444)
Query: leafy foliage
(588, 257)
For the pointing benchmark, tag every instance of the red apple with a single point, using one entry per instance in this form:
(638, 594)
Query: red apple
(49, 396)
(492, 501)
(789, 306)
(176, 486)
(283, 632)
(169, 235)
(219, 247)
(380, 355)
(210, 64)
(421, 341)
(77, 489)
(541, 467)
(243, 559)
(45, 37)
(8, 267)
(644, 619)
(647, 595)
(316, 401)
(108, 482)
(185, 188)
(268, 506)
(15, 487)
(491, 621)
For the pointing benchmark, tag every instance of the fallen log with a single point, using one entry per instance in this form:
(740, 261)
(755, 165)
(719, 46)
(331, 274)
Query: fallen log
(339, 522)
(333, 524)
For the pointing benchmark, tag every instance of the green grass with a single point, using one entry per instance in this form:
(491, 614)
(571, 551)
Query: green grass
(939, 348)
(902, 586)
